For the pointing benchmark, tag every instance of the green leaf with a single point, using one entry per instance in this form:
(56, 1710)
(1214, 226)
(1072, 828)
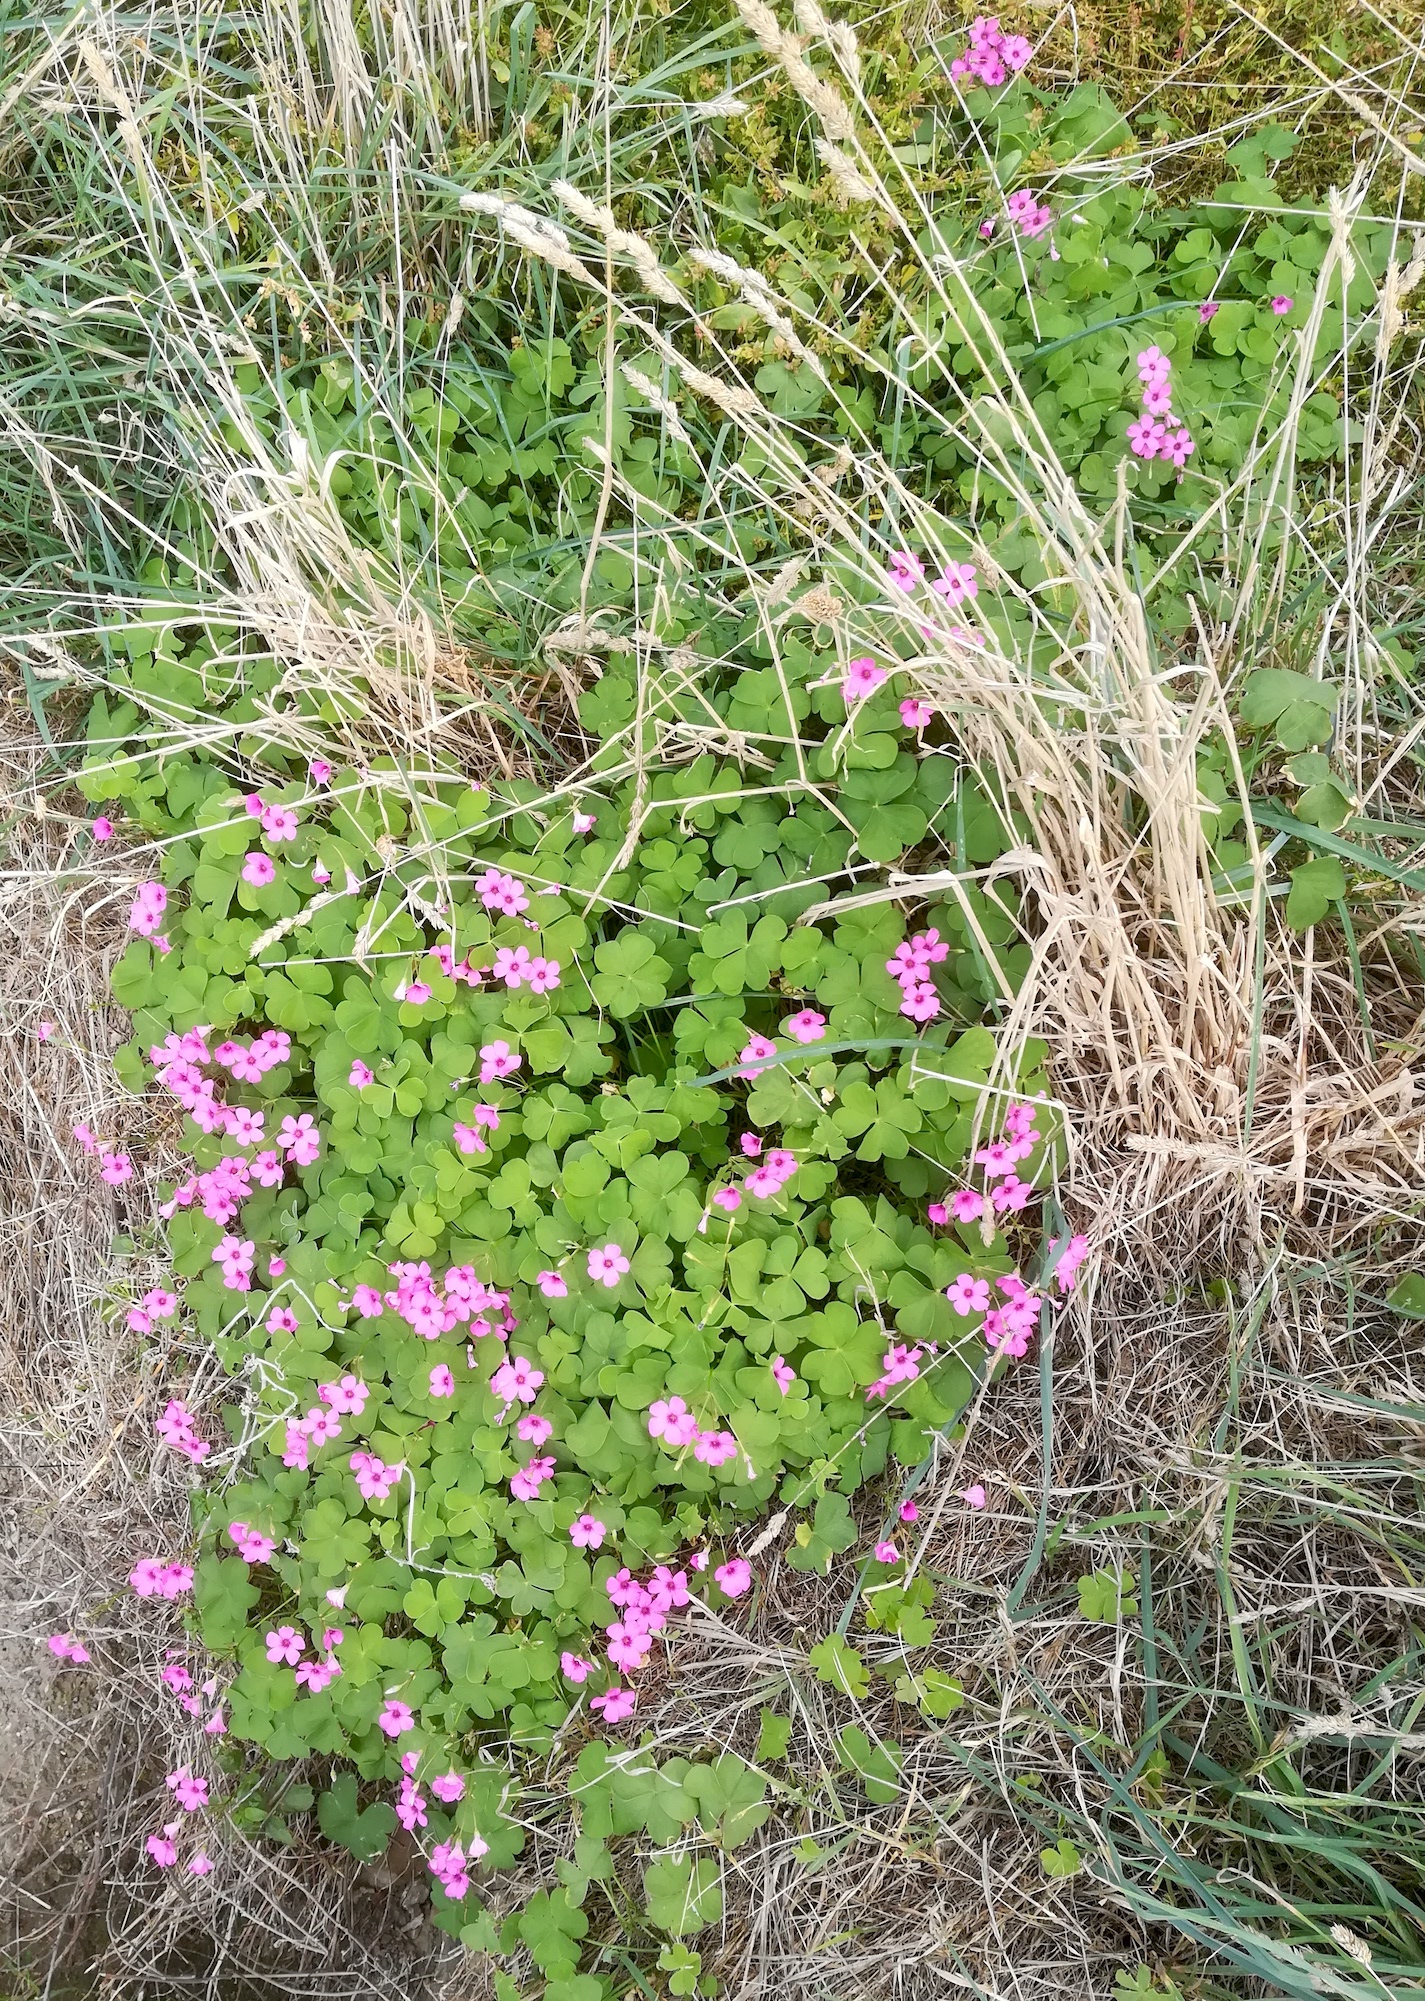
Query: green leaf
(1300, 709)
(836, 1661)
(551, 1927)
(729, 1796)
(877, 1766)
(1315, 886)
(775, 1735)
(1106, 1598)
(364, 1832)
(1063, 1859)
(1409, 1296)
(683, 1894)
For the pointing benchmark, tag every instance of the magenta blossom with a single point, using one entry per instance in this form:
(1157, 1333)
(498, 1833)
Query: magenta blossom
(574, 1668)
(904, 570)
(448, 1786)
(862, 678)
(587, 1532)
(395, 1719)
(607, 1265)
(259, 869)
(735, 1576)
(808, 1026)
(886, 1552)
(1282, 304)
(916, 714)
(783, 1375)
(755, 1054)
(973, 1497)
(909, 1512)
(616, 1703)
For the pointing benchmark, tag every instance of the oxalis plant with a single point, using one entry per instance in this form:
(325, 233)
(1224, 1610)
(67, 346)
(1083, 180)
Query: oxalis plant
(589, 1164)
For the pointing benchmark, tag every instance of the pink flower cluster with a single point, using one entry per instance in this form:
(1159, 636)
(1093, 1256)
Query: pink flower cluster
(150, 902)
(501, 893)
(464, 972)
(1158, 434)
(899, 1364)
(158, 1303)
(374, 1477)
(526, 1483)
(992, 56)
(432, 1308)
(516, 968)
(1029, 215)
(176, 1428)
(279, 823)
(251, 1544)
(1066, 1267)
(65, 1647)
(467, 1138)
(910, 964)
(672, 1421)
(644, 1610)
(152, 1578)
(449, 1864)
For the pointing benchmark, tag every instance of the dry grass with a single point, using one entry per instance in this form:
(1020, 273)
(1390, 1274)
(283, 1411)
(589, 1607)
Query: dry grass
(1237, 1124)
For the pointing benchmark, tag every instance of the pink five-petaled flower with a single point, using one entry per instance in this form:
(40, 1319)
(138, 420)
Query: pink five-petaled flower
(448, 1786)
(517, 1380)
(395, 1719)
(607, 1264)
(442, 1383)
(348, 1396)
(300, 1139)
(751, 1145)
(968, 1294)
(862, 678)
(534, 1428)
(319, 771)
(616, 1703)
(152, 1578)
(150, 902)
(259, 869)
(497, 1060)
(553, 1285)
(285, 1643)
(905, 570)
(574, 1667)
(1145, 437)
(714, 1448)
(200, 1864)
(162, 1847)
(279, 823)
(587, 1532)
(526, 1483)
(101, 828)
(886, 1552)
(1281, 304)
(967, 1205)
(807, 1026)
(937, 1212)
(728, 1199)
(915, 714)
(734, 1576)
(360, 1075)
(115, 1168)
(374, 1478)
(756, 1052)
(908, 1511)
(671, 1420)
(190, 1790)
(956, 582)
(973, 1497)
(783, 1374)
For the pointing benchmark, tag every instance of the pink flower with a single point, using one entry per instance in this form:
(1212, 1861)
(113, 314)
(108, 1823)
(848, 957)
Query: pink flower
(449, 1786)
(259, 869)
(65, 1647)
(416, 992)
(1145, 437)
(783, 1375)
(502, 893)
(968, 1295)
(956, 582)
(728, 1199)
(1208, 310)
(279, 823)
(574, 1668)
(360, 1076)
(755, 1053)
(916, 714)
(584, 823)
(616, 1703)
(862, 678)
(534, 1428)
(102, 828)
(734, 1576)
(909, 1512)
(1281, 304)
(607, 1265)
(320, 874)
(886, 1552)
(973, 1497)
(517, 1380)
(497, 1060)
(587, 1533)
(200, 1864)
(348, 1396)
(937, 1212)
(808, 1026)
(714, 1448)
(190, 1792)
(281, 1320)
(285, 1644)
(905, 571)
(987, 227)
(671, 1419)
(529, 1479)
(319, 771)
(552, 1285)
(751, 1145)
(162, 1847)
(442, 1383)
(150, 902)
(374, 1478)
(395, 1719)
(44, 1030)
(1011, 1195)
(300, 1139)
